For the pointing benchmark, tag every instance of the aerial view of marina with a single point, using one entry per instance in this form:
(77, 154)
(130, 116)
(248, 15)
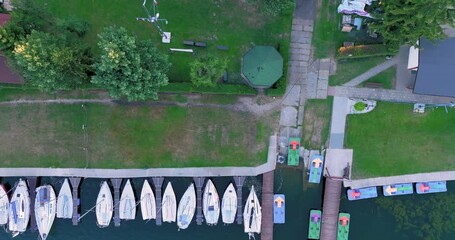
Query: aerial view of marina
(239, 119)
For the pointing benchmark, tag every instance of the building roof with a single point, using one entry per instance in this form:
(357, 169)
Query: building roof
(4, 18)
(262, 66)
(436, 73)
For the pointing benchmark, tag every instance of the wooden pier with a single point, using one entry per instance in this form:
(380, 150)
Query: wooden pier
(330, 208)
(32, 182)
(267, 206)
(199, 181)
(239, 185)
(158, 182)
(116, 183)
(75, 181)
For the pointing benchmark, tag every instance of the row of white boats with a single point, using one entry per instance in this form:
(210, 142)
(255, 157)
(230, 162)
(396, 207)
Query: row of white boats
(16, 212)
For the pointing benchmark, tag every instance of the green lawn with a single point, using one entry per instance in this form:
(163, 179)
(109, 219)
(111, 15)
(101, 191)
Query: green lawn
(392, 140)
(348, 69)
(387, 78)
(237, 24)
(316, 122)
(130, 136)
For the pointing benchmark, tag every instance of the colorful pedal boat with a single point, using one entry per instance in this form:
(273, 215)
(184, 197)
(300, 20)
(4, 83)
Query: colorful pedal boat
(397, 189)
(279, 208)
(314, 228)
(344, 220)
(293, 151)
(362, 193)
(316, 166)
(431, 187)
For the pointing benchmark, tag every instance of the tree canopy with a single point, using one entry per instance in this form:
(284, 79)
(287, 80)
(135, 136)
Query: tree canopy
(405, 21)
(128, 68)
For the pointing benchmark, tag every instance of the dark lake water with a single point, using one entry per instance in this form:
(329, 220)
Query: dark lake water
(368, 219)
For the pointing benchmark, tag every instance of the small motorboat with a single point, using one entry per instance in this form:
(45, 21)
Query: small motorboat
(229, 205)
(252, 214)
(19, 211)
(344, 220)
(398, 189)
(104, 206)
(148, 204)
(314, 228)
(169, 204)
(362, 193)
(279, 206)
(4, 205)
(45, 208)
(431, 187)
(316, 166)
(210, 204)
(187, 207)
(127, 206)
(65, 201)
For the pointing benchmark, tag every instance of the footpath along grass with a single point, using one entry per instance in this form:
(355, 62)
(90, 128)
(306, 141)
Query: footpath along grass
(130, 136)
(392, 140)
(347, 69)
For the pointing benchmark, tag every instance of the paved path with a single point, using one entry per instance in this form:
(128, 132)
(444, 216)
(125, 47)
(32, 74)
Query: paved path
(371, 72)
(338, 122)
(404, 78)
(387, 95)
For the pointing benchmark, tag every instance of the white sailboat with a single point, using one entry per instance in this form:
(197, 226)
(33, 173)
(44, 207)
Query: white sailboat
(127, 208)
(65, 201)
(4, 205)
(229, 204)
(45, 208)
(19, 211)
(211, 204)
(148, 204)
(104, 206)
(169, 204)
(187, 207)
(252, 215)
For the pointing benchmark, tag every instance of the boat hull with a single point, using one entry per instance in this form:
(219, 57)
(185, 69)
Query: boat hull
(148, 202)
(65, 201)
(229, 205)
(279, 207)
(45, 208)
(316, 166)
(210, 204)
(4, 205)
(127, 206)
(169, 204)
(314, 228)
(186, 208)
(252, 214)
(19, 211)
(104, 206)
(362, 193)
(431, 187)
(397, 189)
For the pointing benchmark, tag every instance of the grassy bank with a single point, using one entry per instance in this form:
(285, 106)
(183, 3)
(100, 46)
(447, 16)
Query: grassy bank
(347, 69)
(316, 122)
(387, 78)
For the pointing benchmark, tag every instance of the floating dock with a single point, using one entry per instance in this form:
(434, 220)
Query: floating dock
(279, 206)
(398, 189)
(32, 182)
(75, 181)
(316, 166)
(158, 182)
(293, 151)
(239, 185)
(314, 225)
(362, 193)
(267, 206)
(431, 187)
(116, 183)
(199, 182)
(344, 220)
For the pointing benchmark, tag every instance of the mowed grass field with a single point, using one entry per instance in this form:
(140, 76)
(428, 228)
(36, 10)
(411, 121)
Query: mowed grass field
(392, 140)
(113, 136)
(236, 24)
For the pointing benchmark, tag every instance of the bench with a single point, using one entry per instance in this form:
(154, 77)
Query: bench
(374, 85)
(221, 47)
(200, 44)
(188, 43)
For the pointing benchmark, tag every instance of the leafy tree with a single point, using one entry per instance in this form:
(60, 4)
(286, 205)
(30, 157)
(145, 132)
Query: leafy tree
(405, 21)
(73, 25)
(48, 63)
(128, 68)
(207, 70)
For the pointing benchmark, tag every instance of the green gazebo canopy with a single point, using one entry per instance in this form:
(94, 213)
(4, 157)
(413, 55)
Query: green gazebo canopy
(262, 66)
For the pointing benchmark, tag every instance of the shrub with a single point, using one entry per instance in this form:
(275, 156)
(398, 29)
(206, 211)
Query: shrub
(363, 51)
(359, 106)
(207, 70)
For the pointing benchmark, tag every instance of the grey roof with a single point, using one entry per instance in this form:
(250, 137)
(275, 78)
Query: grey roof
(436, 73)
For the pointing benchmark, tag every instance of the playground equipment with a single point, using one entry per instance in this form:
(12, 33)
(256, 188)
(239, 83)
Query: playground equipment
(166, 36)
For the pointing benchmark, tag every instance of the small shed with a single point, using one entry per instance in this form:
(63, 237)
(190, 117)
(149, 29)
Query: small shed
(262, 66)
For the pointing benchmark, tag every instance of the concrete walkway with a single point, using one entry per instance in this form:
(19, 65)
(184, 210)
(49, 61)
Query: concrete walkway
(371, 72)
(338, 122)
(404, 78)
(387, 95)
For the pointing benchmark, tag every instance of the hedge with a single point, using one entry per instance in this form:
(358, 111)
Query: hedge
(362, 51)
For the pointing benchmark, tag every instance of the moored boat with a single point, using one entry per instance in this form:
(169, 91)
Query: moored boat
(127, 206)
(431, 187)
(186, 208)
(293, 151)
(362, 193)
(104, 206)
(252, 214)
(19, 211)
(45, 208)
(65, 201)
(4, 205)
(279, 205)
(210, 204)
(314, 228)
(316, 166)
(229, 204)
(398, 189)
(169, 204)
(148, 204)
(344, 220)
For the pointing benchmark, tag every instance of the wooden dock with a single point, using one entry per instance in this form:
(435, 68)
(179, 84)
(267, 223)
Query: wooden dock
(116, 183)
(267, 206)
(239, 185)
(32, 182)
(158, 182)
(330, 209)
(199, 181)
(75, 181)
